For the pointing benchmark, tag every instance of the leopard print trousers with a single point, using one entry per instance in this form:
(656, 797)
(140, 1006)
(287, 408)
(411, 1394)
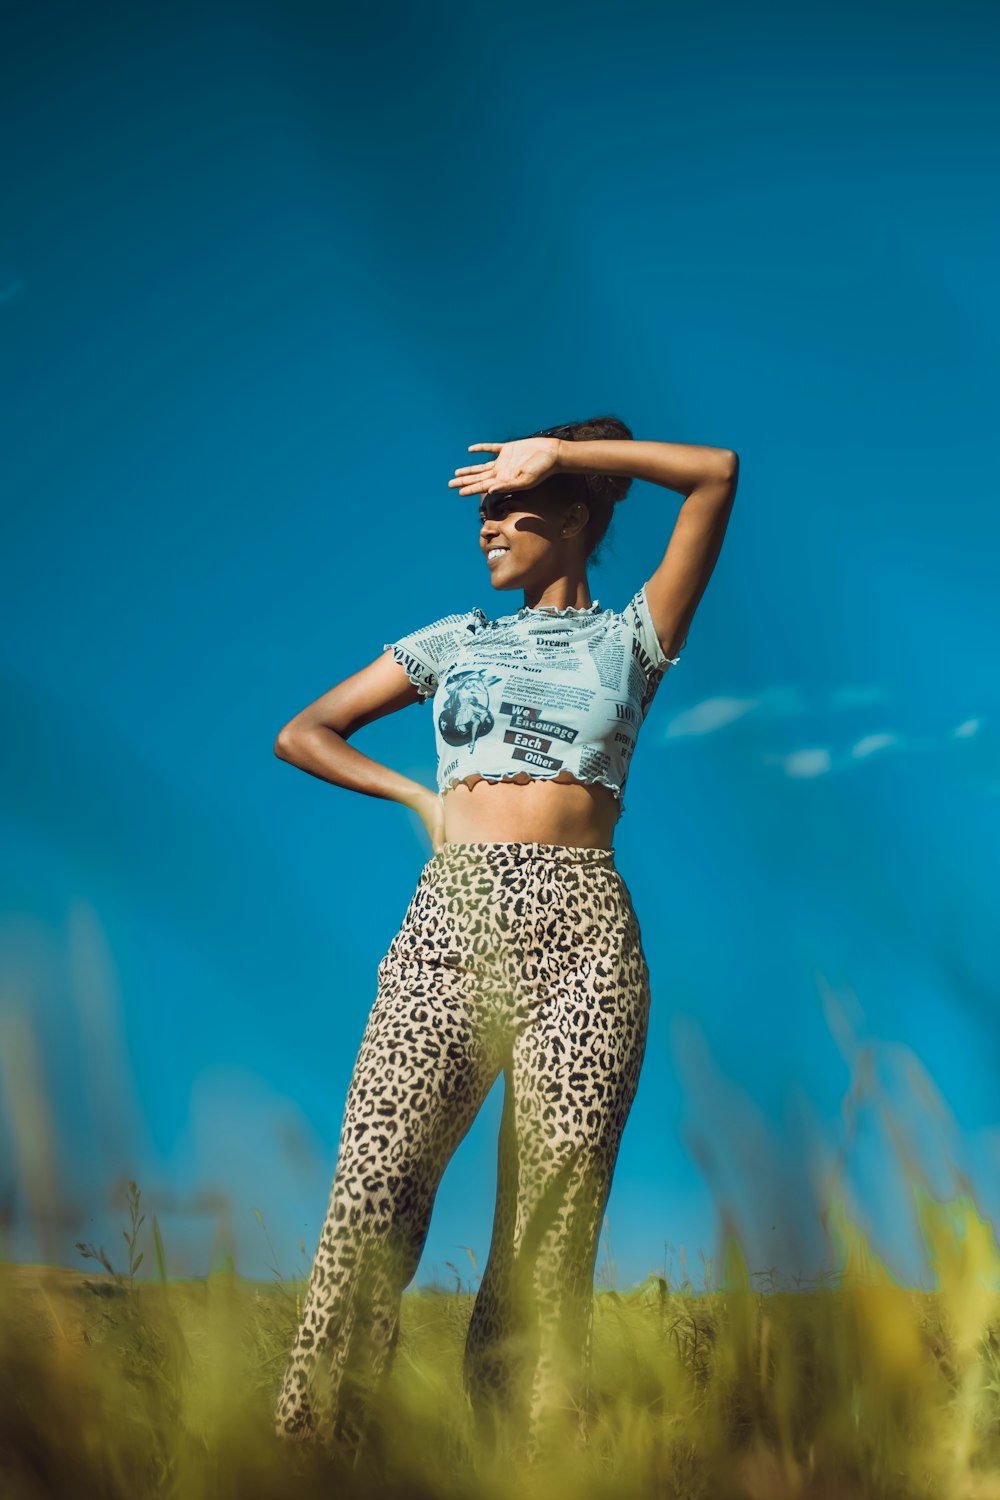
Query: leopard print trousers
(524, 958)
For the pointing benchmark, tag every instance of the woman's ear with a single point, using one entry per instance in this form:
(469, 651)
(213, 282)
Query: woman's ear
(575, 519)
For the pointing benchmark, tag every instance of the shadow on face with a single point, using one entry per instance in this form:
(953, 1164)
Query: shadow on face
(528, 524)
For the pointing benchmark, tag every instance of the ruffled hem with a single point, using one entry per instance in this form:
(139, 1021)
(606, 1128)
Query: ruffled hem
(425, 688)
(569, 609)
(534, 776)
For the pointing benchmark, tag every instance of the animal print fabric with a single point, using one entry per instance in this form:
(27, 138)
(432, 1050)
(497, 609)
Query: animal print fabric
(520, 958)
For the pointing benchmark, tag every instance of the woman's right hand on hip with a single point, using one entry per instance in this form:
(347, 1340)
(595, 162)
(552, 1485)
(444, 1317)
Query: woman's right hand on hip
(430, 810)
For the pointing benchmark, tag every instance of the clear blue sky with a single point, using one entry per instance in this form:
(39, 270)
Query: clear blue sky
(265, 272)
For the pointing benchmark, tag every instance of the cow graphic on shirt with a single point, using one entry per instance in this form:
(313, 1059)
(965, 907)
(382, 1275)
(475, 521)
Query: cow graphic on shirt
(466, 716)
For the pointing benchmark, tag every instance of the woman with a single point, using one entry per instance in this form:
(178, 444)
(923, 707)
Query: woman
(520, 951)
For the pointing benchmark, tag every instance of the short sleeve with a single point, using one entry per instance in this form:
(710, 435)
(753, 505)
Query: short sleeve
(638, 617)
(428, 652)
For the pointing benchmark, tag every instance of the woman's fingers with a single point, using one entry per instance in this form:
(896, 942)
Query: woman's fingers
(463, 476)
(470, 481)
(476, 488)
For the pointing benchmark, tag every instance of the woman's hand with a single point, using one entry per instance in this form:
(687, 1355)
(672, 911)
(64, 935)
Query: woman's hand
(519, 465)
(430, 810)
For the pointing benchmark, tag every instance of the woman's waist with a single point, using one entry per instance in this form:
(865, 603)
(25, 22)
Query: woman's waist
(510, 852)
(520, 895)
(565, 813)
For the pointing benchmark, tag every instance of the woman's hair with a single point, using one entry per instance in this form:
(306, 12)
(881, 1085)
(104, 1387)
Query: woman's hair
(599, 492)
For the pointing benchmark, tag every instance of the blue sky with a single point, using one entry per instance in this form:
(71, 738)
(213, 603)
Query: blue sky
(265, 272)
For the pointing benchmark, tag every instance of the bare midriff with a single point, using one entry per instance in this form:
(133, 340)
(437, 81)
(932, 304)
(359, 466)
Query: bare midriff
(536, 810)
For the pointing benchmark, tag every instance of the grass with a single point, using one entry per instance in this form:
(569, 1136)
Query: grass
(116, 1386)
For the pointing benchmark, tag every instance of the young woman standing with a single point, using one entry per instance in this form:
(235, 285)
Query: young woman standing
(520, 951)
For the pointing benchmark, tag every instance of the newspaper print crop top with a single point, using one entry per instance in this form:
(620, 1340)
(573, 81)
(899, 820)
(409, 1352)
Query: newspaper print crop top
(540, 693)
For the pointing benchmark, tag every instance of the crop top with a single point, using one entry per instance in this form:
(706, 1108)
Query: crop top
(541, 693)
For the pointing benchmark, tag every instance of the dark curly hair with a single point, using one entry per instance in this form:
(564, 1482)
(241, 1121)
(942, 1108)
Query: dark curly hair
(599, 492)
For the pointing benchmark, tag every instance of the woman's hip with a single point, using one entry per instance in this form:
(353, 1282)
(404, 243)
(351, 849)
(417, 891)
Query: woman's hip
(527, 902)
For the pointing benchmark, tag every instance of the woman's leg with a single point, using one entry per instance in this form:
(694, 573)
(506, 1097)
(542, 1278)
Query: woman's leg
(570, 1083)
(421, 1075)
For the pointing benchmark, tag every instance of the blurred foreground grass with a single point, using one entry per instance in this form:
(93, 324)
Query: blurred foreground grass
(114, 1386)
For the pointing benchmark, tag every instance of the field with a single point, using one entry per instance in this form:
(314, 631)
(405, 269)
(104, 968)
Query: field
(115, 1385)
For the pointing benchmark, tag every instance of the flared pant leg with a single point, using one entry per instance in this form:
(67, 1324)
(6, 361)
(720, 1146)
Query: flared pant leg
(422, 1072)
(570, 1081)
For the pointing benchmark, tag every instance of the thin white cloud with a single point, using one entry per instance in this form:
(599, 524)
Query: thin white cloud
(808, 762)
(872, 743)
(709, 715)
(780, 701)
(802, 764)
(819, 761)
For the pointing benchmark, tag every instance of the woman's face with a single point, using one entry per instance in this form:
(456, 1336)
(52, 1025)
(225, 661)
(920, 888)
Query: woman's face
(520, 533)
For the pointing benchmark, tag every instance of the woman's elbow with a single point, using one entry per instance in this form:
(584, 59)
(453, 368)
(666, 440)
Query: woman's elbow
(284, 745)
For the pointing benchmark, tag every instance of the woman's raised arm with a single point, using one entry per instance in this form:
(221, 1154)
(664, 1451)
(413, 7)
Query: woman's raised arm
(707, 477)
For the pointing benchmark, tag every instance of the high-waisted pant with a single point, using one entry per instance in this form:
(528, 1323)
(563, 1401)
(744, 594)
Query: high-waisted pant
(524, 958)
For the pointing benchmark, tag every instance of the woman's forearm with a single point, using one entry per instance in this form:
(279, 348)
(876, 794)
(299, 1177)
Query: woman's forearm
(325, 753)
(677, 466)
